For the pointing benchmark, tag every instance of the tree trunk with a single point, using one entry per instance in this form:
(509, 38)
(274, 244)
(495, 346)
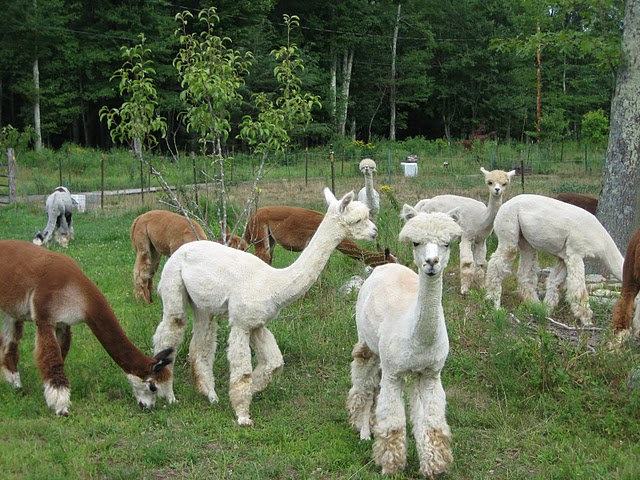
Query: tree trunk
(392, 91)
(36, 104)
(333, 88)
(347, 66)
(619, 205)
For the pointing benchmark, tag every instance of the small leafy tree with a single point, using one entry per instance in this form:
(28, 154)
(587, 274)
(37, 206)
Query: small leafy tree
(136, 121)
(595, 127)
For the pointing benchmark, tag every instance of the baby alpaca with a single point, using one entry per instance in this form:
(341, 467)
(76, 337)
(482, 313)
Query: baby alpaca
(402, 333)
(533, 222)
(476, 220)
(157, 233)
(217, 280)
(50, 289)
(368, 194)
(623, 317)
(59, 219)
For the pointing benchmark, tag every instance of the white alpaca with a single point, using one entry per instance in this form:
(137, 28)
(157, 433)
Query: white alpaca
(402, 333)
(533, 222)
(476, 220)
(368, 194)
(59, 219)
(219, 280)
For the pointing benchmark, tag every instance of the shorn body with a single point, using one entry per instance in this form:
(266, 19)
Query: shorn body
(220, 281)
(59, 210)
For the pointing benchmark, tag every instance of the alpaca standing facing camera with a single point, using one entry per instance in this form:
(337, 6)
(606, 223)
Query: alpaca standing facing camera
(368, 194)
(402, 333)
(476, 220)
(59, 206)
(218, 280)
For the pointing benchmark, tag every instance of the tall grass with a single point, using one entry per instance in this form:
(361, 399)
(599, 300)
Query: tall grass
(523, 402)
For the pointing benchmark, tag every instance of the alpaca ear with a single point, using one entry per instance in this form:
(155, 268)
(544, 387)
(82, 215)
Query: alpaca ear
(345, 201)
(408, 212)
(485, 172)
(511, 174)
(329, 196)
(163, 359)
(455, 214)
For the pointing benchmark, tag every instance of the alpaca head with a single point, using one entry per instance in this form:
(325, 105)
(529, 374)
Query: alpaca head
(497, 180)
(352, 215)
(368, 166)
(431, 235)
(146, 389)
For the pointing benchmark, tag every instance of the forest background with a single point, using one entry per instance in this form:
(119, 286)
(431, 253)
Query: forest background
(393, 70)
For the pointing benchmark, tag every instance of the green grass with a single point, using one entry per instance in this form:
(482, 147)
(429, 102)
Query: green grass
(522, 402)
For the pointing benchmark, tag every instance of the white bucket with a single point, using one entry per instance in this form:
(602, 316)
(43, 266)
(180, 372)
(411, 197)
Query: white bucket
(80, 202)
(410, 169)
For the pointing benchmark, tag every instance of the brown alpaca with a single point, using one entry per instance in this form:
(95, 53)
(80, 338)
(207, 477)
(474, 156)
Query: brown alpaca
(50, 289)
(292, 228)
(623, 318)
(157, 233)
(590, 204)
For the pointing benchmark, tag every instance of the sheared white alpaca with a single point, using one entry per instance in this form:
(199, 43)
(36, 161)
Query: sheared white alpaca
(59, 207)
(49, 289)
(533, 222)
(368, 194)
(218, 280)
(476, 220)
(402, 333)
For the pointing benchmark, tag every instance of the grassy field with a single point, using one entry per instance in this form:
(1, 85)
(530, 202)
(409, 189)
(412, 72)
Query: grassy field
(523, 400)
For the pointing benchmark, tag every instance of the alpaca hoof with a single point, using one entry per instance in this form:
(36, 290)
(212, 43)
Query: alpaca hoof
(245, 422)
(13, 378)
(213, 398)
(62, 413)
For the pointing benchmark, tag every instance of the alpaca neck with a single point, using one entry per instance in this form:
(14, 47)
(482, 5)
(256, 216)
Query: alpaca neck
(351, 249)
(105, 326)
(429, 318)
(303, 273)
(368, 184)
(489, 216)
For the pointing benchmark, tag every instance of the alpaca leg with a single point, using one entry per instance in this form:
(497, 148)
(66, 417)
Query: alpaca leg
(240, 384)
(480, 262)
(466, 265)
(169, 334)
(142, 276)
(430, 428)
(528, 268)
(51, 365)
(555, 280)
(62, 232)
(153, 269)
(70, 225)
(202, 353)
(390, 430)
(577, 294)
(9, 352)
(63, 336)
(498, 268)
(270, 361)
(365, 380)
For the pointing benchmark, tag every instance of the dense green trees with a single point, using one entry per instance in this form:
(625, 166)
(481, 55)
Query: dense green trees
(457, 65)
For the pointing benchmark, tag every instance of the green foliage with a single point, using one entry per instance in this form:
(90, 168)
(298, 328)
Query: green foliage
(595, 127)
(11, 137)
(136, 119)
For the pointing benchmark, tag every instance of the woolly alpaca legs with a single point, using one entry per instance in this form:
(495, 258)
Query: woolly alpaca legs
(9, 352)
(244, 382)
(144, 270)
(365, 380)
(498, 268)
(430, 429)
(390, 431)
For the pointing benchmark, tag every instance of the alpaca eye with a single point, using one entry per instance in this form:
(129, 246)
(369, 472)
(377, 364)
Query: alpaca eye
(415, 244)
(489, 183)
(446, 245)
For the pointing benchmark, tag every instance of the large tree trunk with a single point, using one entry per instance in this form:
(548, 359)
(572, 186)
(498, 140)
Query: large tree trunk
(392, 91)
(347, 66)
(619, 205)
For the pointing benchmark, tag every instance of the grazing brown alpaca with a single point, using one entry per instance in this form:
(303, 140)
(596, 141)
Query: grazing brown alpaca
(623, 317)
(292, 228)
(590, 204)
(157, 233)
(50, 289)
